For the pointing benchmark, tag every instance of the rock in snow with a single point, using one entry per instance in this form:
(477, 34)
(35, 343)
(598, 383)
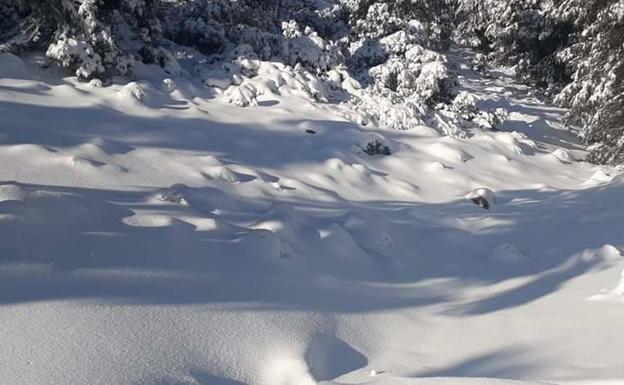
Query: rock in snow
(483, 197)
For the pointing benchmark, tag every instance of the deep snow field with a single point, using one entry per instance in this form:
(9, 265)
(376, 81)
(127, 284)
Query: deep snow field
(155, 234)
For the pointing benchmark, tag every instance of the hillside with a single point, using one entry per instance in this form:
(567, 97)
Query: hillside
(154, 232)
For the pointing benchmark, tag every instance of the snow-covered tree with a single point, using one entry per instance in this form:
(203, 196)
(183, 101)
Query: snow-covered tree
(86, 36)
(572, 50)
(595, 95)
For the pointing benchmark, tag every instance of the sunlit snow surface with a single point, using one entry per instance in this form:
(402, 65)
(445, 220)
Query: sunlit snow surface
(154, 234)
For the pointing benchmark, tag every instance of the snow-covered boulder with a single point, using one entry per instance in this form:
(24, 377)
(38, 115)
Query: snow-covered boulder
(562, 155)
(484, 197)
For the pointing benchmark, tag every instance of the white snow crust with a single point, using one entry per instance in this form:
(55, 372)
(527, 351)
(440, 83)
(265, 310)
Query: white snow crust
(170, 232)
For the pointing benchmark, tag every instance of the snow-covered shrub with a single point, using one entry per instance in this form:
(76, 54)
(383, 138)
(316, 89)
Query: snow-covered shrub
(430, 19)
(208, 36)
(84, 36)
(517, 32)
(606, 132)
(383, 56)
(480, 64)
(465, 104)
(391, 52)
(595, 95)
(243, 95)
(490, 120)
(161, 56)
(9, 19)
(77, 54)
(376, 148)
(308, 48)
(436, 83)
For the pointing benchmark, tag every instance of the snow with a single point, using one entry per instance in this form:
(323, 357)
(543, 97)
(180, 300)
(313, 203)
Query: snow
(154, 233)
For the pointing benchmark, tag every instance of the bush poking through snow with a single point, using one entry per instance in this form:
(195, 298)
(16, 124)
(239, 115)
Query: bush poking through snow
(174, 197)
(376, 148)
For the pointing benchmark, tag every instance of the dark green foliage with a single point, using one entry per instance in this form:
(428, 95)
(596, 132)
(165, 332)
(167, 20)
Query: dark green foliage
(376, 148)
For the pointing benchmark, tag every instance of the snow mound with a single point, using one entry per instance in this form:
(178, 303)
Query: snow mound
(615, 294)
(136, 92)
(11, 66)
(517, 143)
(435, 166)
(448, 152)
(84, 161)
(238, 248)
(605, 253)
(610, 252)
(11, 192)
(483, 197)
(562, 155)
(329, 357)
(96, 83)
(244, 95)
(340, 244)
(169, 85)
(599, 177)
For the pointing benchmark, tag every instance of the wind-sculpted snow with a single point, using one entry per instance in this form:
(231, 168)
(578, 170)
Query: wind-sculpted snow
(153, 233)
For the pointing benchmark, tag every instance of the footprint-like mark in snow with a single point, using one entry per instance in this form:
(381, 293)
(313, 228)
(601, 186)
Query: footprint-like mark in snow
(339, 242)
(373, 235)
(507, 254)
(281, 237)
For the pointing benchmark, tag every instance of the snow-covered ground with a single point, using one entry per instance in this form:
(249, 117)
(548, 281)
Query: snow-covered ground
(153, 234)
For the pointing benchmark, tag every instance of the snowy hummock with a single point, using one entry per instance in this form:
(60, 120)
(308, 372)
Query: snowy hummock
(483, 197)
(152, 232)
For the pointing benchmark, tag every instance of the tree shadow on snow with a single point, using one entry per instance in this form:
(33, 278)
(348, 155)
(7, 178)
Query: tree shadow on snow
(66, 242)
(62, 242)
(510, 363)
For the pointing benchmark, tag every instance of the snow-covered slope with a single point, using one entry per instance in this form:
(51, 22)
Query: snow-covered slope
(152, 233)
